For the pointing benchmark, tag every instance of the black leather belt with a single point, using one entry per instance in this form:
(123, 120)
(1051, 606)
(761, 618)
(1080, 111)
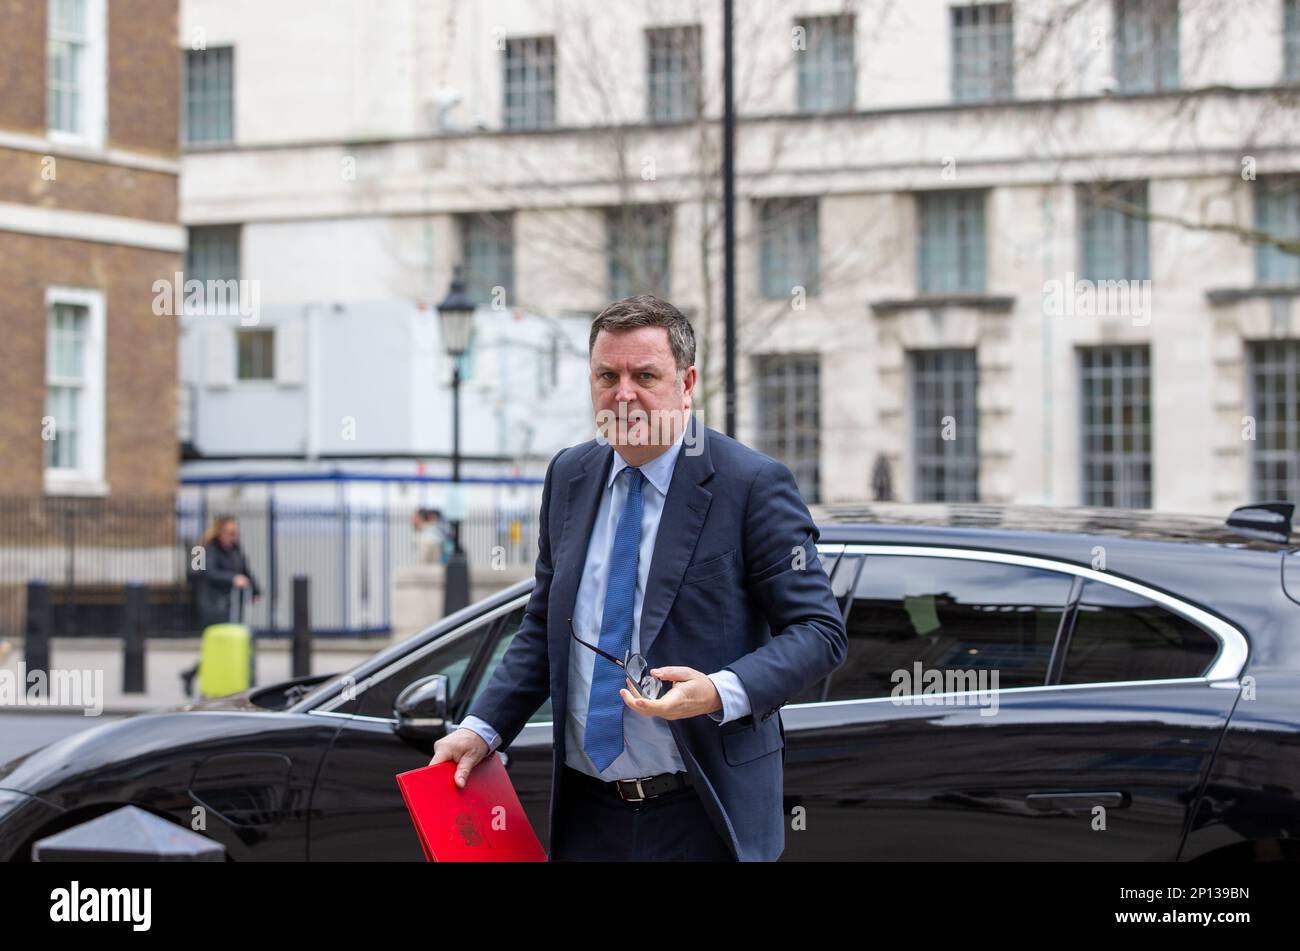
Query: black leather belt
(635, 790)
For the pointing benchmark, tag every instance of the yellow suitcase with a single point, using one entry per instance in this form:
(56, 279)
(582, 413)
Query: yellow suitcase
(225, 659)
(226, 653)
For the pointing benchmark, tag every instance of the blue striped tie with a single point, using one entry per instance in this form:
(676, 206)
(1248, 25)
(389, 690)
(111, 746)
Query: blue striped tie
(604, 739)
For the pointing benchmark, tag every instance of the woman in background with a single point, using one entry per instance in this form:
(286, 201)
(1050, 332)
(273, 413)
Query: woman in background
(224, 574)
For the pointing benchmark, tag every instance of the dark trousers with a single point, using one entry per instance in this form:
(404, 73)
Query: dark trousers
(673, 827)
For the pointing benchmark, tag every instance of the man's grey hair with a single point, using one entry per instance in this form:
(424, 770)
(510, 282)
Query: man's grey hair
(646, 310)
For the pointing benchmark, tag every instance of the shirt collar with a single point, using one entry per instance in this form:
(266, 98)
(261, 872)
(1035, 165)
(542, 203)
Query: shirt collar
(658, 471)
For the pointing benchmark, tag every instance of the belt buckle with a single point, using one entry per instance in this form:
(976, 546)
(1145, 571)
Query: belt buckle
(640, 791)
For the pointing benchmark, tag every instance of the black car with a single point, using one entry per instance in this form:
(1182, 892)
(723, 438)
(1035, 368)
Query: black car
(1021, 683)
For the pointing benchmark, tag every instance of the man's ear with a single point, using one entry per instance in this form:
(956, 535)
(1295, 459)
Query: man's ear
(689, 377)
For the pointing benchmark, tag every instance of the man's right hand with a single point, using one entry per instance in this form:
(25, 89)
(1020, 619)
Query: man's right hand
(463, 747)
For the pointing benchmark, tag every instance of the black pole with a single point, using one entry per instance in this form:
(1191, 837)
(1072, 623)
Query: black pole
(40, 620)
(456, 577)
(270, 563)
(729, 212)
(133, 640)
(455, 443)
(301, 627)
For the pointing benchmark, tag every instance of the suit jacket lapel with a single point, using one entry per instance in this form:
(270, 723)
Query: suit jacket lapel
(581, 505)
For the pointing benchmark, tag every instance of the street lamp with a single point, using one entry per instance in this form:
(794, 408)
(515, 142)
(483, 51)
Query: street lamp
(456, 315)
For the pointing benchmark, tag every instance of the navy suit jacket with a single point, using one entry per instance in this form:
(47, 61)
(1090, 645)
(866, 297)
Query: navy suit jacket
(727, 588)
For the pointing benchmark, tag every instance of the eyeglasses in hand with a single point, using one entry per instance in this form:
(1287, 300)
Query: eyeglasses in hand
(634, 665)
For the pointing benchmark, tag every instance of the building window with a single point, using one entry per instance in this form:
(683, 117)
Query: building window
(1277, 214)
(824, 63)
(1116, 426)
(945, 426)
(673, 55)
(256, 349)
(75, 70)
(788, 255)
(983, 65)
(529, 83)
(1146, 45)
(74, 386)
(1275, 403)
(488, 251)
(789, 416)
(637, 242)
(1291, 40)
(951, 246)
(213, 253)
(209, 95)
(1113, 232)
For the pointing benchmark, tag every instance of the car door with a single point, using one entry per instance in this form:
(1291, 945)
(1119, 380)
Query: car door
(358, 812)
(1053, 760)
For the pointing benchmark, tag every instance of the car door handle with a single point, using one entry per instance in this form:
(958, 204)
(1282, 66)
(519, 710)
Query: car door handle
(1072, 801)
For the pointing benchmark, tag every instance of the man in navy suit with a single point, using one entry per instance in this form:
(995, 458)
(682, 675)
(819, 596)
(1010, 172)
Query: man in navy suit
(672, 541)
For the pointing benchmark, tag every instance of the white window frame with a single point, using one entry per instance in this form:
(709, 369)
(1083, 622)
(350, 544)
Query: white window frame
(94, 80)
(88, 477)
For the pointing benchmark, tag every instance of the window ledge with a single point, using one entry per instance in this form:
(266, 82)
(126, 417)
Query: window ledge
(1231, 295)
(999, 302)
(62, 483)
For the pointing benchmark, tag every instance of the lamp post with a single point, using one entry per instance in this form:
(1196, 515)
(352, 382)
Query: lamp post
(456, 316)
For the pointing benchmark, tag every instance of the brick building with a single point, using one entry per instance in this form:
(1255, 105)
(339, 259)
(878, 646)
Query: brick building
(89, 162)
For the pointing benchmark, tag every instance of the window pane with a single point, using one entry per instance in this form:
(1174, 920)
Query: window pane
(825, 68)
(213, 253)
(1122, 636)
(1113, 232)
(1115, 427)
(256, 354)
(1274, 377)
(529, 83)
(1277, 214)
(945, 425)
(673, 58)
(451, 659)
(209, 95)
(638, 239)
(1146, 45)
(504, 640)
(951, 242)
(788, 388)
(487, 250)
(789, 255)
(983, 67)
(948, 615)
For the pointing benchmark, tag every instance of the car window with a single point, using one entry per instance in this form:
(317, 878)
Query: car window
(450, 655)
(503, 642)
(948, 614)
(1121, 636)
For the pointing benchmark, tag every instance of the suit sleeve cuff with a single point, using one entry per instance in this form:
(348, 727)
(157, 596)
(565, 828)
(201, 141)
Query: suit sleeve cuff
(480, 726)
(735, 701)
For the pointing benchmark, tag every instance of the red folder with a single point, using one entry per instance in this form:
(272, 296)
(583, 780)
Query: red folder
(483, 822)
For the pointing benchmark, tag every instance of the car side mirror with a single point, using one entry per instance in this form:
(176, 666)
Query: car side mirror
(421, 708)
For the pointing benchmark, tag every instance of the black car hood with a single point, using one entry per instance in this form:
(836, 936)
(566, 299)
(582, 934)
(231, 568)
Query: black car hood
(89, 757)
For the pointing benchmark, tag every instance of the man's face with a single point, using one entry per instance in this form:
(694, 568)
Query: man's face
(638, 397)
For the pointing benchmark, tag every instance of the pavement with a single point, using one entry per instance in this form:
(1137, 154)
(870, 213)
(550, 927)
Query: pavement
(94, 666)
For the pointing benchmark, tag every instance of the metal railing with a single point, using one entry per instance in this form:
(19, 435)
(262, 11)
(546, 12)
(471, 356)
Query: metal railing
(88, 549)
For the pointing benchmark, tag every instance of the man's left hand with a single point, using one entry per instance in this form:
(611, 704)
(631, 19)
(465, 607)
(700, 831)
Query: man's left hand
(692, 694)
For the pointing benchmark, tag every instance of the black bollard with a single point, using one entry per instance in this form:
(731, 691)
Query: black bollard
(457, 583)
(133, 640)
(301, 627)
(129, 834)
(40, 622)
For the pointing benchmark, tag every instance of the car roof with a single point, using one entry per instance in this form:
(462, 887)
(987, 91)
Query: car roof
(838, 522)
(1195, 558)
